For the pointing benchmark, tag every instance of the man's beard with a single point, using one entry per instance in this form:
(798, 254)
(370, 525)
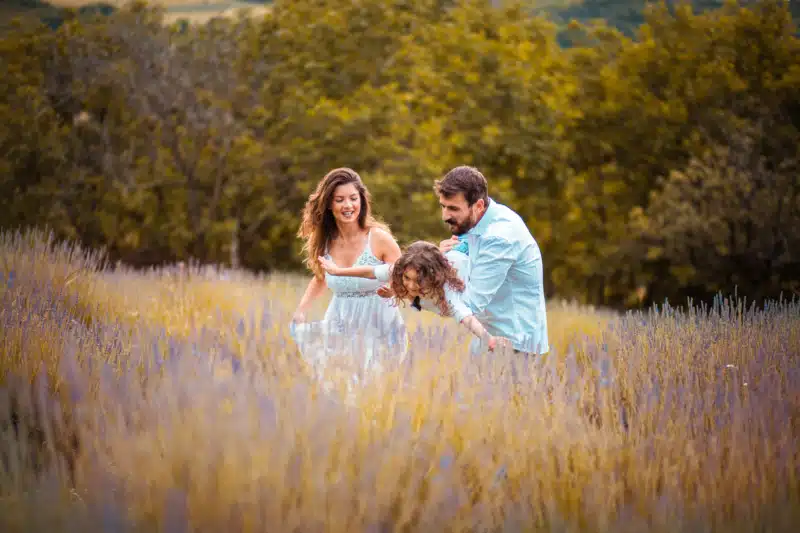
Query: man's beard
(460, 229)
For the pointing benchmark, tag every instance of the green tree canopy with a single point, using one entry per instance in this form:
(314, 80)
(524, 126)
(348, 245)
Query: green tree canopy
(165, 143)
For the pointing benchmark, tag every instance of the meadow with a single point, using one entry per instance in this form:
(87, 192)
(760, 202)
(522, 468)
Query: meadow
(173, 399)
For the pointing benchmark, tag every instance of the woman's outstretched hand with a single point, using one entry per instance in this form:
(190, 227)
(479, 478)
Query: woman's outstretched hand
(328, 266)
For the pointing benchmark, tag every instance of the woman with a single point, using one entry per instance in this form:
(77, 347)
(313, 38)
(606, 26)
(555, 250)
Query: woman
(426, 277)
(338, 225)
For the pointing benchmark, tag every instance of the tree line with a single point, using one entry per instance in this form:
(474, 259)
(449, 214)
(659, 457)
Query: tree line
(661, 164)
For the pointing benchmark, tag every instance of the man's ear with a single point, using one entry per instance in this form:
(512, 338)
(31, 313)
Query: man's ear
(481, 205)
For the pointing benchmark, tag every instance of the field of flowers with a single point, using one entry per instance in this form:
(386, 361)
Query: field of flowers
(174, 400)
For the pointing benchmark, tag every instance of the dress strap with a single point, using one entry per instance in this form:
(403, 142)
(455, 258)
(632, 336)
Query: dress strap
(368, 249)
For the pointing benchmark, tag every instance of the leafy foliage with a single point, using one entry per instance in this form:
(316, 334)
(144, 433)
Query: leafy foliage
(624, 15)
(201, 142)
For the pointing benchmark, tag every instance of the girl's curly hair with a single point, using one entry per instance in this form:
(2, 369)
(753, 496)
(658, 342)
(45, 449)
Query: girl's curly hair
(434, 271)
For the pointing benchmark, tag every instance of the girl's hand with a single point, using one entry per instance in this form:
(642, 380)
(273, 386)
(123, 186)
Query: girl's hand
(328, 266)
(385, 291)
(498, 342)
(448, 244)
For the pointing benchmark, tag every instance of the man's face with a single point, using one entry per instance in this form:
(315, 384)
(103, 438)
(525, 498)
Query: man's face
(458, 215)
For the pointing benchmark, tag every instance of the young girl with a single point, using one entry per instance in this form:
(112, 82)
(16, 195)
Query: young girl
(427, 278)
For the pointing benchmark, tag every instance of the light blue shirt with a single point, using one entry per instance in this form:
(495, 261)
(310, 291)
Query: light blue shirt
(505, 282)
(455, 299)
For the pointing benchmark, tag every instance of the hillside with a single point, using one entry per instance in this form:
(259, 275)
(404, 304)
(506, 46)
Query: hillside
(625, 15)
(192, 10)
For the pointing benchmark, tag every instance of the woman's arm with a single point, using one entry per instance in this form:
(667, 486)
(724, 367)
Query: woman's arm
(384, 247)
(314, 289)
(366, 271)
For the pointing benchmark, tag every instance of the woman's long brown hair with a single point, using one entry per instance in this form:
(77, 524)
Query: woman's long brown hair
(318, 227)
(434, 271)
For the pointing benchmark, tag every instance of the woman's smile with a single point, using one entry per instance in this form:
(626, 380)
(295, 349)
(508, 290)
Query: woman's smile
(346, 204)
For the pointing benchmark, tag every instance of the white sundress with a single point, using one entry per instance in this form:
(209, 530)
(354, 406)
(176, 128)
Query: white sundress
(359, 326)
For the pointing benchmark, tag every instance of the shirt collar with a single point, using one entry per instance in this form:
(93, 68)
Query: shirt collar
(488, 216)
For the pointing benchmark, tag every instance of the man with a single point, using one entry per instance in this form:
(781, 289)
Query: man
(505, 287)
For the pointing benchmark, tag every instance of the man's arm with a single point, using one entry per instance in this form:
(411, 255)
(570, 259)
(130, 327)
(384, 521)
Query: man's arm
(488, 271)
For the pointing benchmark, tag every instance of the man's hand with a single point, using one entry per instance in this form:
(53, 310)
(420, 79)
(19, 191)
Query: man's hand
(385, 291)
(448, 244)
(298, 317)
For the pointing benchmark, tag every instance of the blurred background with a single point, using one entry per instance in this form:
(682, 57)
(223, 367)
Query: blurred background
(651, 148)
(148, 378)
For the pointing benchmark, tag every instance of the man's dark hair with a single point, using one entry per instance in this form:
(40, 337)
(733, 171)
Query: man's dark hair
(466, 180)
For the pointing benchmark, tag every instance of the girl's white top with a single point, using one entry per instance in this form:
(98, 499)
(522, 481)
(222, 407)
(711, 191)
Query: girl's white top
(459, 310)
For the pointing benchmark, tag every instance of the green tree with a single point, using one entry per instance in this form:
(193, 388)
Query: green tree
(32, 139)
(647, 106)
(203, 141)
(487, 86)
(731, 218)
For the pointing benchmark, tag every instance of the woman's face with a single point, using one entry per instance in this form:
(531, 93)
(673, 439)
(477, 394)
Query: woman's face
(346, 204)
(411, 282)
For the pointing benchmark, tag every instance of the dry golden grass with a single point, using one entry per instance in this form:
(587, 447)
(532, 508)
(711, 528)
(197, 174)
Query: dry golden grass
(194, 412)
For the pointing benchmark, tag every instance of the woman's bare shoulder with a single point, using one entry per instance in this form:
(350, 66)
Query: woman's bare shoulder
(384, 244)
(382, 235)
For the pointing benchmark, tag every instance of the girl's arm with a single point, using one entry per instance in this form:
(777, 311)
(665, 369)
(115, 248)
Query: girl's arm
(464, 316)
(479, 331)
(475, 327)
(314, 289)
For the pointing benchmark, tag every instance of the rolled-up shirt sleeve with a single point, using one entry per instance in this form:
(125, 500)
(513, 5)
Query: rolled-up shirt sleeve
(455, 299)
(488, 272)
(381, 272)
(456, 303)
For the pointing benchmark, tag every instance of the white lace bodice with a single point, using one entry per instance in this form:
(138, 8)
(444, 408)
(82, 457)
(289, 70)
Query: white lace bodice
(358, 324)
(346, 286)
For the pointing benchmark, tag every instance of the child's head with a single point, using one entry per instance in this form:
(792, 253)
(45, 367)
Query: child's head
(423, 271)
